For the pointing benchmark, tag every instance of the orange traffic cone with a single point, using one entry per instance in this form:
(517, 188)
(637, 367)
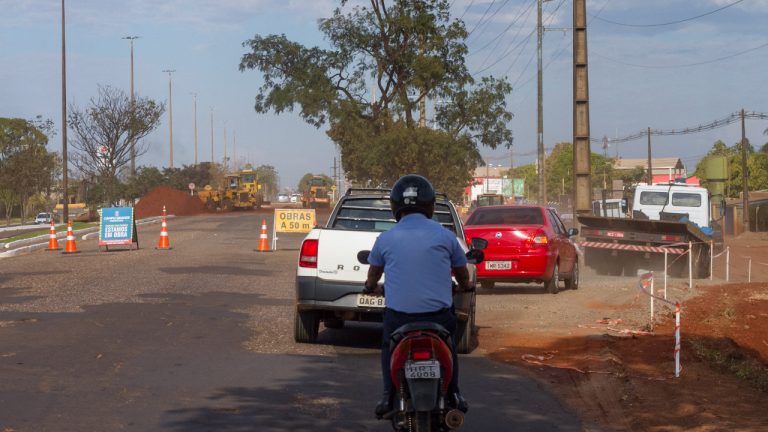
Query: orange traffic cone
(163, 243)
(263, 239)
(53, 242)
(70, 247)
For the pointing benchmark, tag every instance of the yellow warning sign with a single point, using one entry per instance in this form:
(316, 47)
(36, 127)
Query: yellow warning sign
(294, 220)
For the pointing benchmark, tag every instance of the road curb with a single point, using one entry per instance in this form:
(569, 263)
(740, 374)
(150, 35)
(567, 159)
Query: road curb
(21, 247)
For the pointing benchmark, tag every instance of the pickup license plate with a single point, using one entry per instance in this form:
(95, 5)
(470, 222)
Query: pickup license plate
(370, 301)
(498, 265)
(422, 369)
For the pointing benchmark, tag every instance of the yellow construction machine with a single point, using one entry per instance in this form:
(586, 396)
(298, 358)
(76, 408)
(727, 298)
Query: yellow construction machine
(241, 191)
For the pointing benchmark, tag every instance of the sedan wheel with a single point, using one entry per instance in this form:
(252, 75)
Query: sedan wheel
(552, 284)
(572, 282)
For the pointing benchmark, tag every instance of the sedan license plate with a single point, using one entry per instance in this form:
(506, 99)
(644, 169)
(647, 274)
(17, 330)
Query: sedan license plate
(498, 265)
(422, 369)
(370, 301)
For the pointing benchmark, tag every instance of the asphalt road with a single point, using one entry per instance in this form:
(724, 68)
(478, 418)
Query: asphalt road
(199, 338)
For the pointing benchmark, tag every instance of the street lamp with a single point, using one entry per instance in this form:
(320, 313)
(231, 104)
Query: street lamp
(133, 107)
(195, 96)
(65, 177)
(212, 160)
(170, 107)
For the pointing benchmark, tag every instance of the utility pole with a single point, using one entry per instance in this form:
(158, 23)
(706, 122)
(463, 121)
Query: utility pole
(582, 202)
(540, 104)
(744, 173)
(335, 178)
(195, 98)
(512, 173)
(650, 161)
(212, 159)
(226, 162)
(605, 162)
(65, 175)
(234, 149)
(133, 107)
(170, 109)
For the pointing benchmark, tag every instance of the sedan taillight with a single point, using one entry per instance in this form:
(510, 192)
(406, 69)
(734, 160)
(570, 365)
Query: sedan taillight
(308, 255)
(538, 240)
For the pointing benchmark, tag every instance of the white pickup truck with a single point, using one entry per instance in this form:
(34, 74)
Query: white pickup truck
(330, 279)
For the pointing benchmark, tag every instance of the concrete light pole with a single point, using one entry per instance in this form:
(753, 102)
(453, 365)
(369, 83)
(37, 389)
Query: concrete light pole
(133, 106)
(170, 108)
(212, 159)
(65, 178)
(195, 96)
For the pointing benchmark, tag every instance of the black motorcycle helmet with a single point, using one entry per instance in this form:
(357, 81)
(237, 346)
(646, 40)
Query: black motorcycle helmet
(412, 193)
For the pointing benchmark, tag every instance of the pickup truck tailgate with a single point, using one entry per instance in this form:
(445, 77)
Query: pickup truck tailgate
(337, 254)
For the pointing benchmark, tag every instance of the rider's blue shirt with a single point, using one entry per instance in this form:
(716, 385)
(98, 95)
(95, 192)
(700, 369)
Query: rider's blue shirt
(417, 255)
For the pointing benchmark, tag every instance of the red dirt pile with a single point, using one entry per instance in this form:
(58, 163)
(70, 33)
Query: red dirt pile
(176, 202)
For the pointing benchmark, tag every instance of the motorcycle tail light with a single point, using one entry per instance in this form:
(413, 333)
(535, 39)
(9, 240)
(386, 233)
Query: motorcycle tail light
(308, 255)
(422, 355)
(421, 348)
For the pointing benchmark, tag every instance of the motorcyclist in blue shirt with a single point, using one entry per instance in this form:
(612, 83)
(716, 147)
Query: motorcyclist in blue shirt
(418, 255)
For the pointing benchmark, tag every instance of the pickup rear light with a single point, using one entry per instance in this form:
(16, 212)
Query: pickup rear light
(308, 254)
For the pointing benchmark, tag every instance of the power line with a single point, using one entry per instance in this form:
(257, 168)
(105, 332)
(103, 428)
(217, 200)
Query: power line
(514, 38)
(517, 18)
(670, 22)
(466, 9)
(481, 18)
(715, 124)
(730, 56)
(487, 22)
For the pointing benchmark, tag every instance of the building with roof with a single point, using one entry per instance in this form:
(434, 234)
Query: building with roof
(665, 170)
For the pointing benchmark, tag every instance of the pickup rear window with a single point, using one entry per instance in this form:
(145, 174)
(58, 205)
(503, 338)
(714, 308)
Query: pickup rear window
(374, 214)
(507, 216)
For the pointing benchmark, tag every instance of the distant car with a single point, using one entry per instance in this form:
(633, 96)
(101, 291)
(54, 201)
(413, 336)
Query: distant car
(525, 244)
(283, 198)
(43, 218)
(296, 198)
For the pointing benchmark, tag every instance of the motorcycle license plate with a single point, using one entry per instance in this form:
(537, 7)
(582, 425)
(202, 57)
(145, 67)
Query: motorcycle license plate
(364, 300)
(498, 265)
(422, 369)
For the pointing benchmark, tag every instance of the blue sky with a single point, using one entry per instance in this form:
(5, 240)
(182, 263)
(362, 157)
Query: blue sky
(202, 41)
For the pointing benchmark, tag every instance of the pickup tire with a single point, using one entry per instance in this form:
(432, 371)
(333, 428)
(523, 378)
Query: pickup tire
(306, 326)
(551, 285)
(465, 340)
(572, 283)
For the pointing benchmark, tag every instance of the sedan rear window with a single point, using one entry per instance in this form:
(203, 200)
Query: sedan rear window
(507, 216)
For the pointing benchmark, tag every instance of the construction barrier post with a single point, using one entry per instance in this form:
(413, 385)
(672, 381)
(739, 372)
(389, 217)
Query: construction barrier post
(665, 274)
(711, 259)
(690, 265)
(653, 293)
(728, 264)
(677, 340)
(749, 271)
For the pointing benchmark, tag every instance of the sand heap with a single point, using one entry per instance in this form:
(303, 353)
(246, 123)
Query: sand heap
(176, 202)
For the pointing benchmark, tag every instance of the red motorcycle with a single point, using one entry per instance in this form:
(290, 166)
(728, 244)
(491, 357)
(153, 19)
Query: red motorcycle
(422, 369)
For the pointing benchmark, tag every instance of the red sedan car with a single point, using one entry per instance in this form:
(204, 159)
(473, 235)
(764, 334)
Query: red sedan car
(525, 244)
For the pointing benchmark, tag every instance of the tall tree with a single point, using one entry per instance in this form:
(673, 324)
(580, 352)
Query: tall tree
(104, 131)
(267, 177)
(409, 52)
(27, 168)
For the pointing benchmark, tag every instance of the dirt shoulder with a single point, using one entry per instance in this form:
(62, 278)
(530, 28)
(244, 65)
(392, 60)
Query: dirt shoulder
(598, 349)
